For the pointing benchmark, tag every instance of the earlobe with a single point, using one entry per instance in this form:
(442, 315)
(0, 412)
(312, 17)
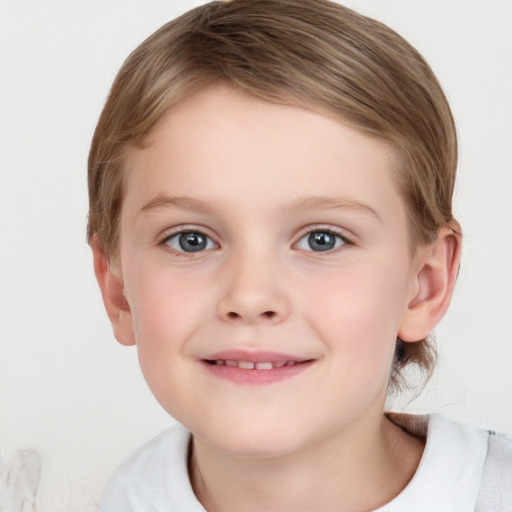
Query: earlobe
(112, 291)
(438, 266)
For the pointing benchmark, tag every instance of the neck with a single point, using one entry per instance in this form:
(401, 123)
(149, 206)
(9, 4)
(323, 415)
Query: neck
(354, 470)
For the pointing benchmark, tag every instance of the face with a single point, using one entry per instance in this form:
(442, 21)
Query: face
(265, 261)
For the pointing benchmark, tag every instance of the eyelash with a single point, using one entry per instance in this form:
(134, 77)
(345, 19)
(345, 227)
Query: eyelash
(345, 240)
(183, 231)
(195, 231)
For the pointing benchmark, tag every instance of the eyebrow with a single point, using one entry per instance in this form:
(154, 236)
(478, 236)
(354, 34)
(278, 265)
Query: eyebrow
(299, 205)
(184, 203)
(326, 203)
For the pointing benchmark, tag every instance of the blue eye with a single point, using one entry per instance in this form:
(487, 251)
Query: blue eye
(190, 241)
(320, 241)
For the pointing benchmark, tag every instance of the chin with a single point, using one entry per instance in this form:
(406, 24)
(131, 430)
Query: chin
(246, 442)
(247, 449)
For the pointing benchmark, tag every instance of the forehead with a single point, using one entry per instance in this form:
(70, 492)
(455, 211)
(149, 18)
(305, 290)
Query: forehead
(219, 142)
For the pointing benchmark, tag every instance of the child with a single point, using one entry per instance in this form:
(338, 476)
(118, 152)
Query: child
(270, 215)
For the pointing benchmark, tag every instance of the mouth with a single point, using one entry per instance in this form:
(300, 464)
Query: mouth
(252, 365)
(255, 368)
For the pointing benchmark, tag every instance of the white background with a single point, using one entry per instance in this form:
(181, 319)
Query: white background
(67, 388)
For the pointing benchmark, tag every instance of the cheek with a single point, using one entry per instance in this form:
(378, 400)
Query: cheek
(165, 311)
(358, 311)
(165, 308)
(357, 320)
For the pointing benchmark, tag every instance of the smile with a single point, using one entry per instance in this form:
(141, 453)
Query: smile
(255, 368)
(251, 365)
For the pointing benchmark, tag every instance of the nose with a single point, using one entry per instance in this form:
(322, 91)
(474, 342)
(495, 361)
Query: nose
(252, 291)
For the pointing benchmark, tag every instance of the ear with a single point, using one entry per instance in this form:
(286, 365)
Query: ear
(112, 291)
(433, 283)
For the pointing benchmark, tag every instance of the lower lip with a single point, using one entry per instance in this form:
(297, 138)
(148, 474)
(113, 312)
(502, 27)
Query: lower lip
(257, 377)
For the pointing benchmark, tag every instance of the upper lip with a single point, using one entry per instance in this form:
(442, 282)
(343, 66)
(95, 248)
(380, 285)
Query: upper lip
(264, 356)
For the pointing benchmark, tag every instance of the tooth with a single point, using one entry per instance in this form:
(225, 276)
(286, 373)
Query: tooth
(250, 365)
(264, 366)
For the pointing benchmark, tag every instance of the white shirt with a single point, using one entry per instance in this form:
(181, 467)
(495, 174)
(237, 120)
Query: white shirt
(456, 459)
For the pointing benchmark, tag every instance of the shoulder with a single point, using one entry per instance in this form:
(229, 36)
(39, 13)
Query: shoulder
(462, 466)
(495, 494)
(155, 478)
(499, 451)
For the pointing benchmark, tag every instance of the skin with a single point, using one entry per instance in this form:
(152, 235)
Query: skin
(255, 178)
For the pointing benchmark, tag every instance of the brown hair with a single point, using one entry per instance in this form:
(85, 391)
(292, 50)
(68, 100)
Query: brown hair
(312, 53)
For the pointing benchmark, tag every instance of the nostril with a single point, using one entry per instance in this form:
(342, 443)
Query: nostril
(270, 315)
